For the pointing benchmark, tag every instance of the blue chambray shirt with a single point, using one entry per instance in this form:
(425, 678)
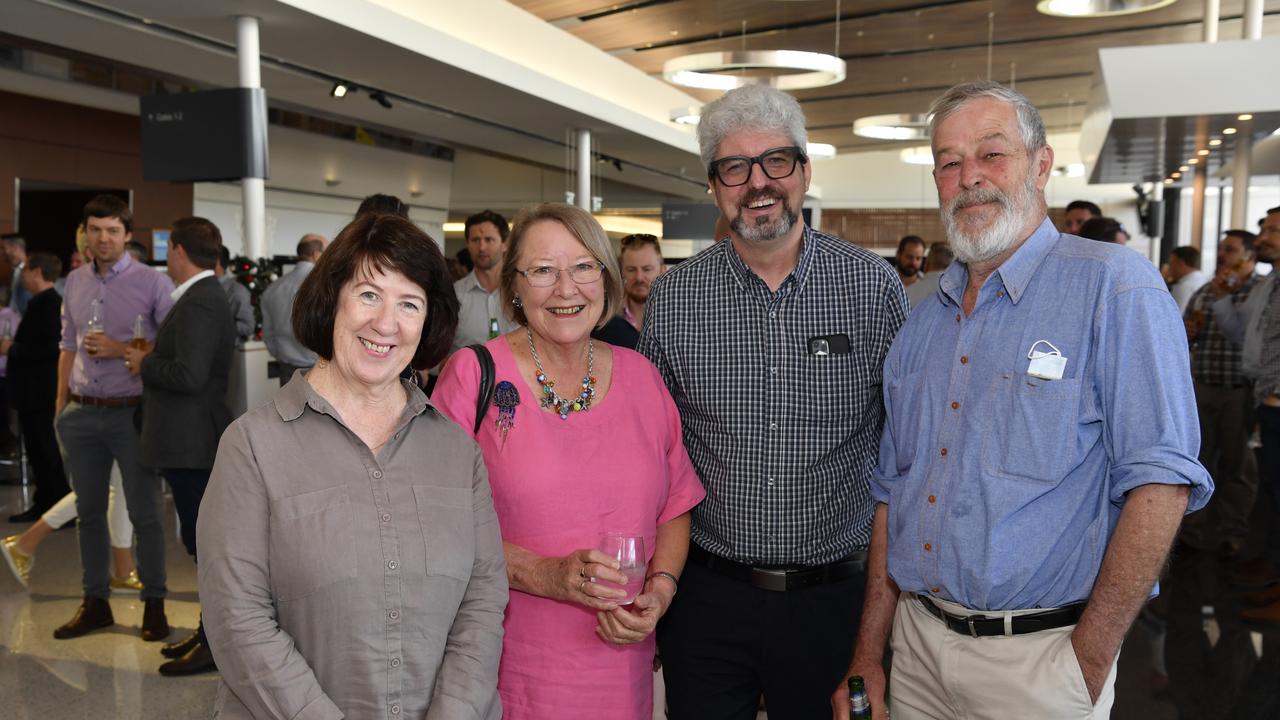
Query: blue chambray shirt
(1003, 489)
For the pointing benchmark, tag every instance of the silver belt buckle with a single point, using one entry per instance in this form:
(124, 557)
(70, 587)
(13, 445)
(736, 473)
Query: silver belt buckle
(973, 631)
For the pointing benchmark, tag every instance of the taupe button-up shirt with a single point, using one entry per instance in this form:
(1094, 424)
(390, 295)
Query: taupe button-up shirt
(340, 584)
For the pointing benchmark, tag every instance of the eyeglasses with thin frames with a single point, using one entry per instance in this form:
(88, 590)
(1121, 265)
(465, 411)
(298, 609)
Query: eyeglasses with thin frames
(546, 275)
(777, 163)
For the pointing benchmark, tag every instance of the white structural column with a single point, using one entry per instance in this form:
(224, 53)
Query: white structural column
(253, 188)
(1200, 181)
(1243, 159)
(582, 187)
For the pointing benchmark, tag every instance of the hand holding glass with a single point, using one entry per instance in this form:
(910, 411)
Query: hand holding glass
(628, 550)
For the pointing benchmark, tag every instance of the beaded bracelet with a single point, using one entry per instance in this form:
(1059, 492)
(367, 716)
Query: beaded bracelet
(663, 573)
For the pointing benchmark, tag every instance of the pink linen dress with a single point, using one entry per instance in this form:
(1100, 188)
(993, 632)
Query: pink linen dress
(558, 485)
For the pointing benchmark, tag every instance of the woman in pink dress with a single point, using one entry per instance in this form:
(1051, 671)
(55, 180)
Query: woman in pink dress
(582, 439)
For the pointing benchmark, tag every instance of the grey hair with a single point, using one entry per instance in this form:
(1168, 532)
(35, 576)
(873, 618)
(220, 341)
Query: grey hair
(758, 108)
(1029, 122)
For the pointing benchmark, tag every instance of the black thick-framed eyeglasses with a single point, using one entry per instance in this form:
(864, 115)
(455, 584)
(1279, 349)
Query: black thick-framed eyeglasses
(777, 163)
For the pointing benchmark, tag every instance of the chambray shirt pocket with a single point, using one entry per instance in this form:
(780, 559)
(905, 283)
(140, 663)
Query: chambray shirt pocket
(448, 529)
(311, 542)
(1038, 437)
(905, 396)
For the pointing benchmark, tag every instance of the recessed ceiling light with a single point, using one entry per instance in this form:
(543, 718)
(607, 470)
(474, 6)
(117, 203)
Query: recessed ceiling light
(1192, 161)
(1202, 153)
(1184, 168)
(1244, 117)
(1098, 8)
(686, 115)
(897, 126)
(1168, 181)
(1176, 175)
(1229, 131)
(922, 155)
(791, 69)
(1215, 142)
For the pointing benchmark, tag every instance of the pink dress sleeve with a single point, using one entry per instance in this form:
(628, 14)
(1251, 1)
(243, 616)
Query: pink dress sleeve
(455, 392)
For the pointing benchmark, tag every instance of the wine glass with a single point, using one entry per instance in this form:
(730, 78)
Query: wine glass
(628, 550)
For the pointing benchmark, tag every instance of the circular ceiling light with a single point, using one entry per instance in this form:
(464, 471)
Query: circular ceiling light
(1098, 8)
(820, 151)
(917, 155)
(784, 69)
(897, 126)
(1228, 131)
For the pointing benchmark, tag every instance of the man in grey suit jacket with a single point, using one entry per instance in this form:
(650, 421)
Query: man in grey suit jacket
(184, 388)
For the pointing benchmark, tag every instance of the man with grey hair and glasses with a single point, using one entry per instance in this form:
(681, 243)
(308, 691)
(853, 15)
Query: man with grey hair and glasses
(1030, 483)
(772, 343)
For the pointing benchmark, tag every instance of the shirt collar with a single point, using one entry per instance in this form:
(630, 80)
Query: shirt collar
(121, 265)
(184, 287)
(744, 273)
(470, 282)
(1015, 273)
(297, 395)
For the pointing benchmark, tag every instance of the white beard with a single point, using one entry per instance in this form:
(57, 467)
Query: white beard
(1004, 232)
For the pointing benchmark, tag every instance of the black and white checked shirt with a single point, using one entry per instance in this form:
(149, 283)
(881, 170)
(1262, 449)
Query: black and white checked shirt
(783, 439)
(1215, 360)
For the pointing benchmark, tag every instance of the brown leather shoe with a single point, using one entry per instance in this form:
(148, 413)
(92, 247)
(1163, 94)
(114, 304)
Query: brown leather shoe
(197, 660)
(155, 626)
(1268, 614)
(94, 613)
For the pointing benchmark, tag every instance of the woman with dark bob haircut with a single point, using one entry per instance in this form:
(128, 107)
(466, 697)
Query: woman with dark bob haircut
(353, 566)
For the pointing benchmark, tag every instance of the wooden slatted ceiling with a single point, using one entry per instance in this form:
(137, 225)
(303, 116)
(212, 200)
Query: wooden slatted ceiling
(901, 53)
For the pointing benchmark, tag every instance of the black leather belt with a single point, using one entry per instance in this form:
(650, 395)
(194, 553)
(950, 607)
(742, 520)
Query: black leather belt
(781, 579)
(985, 626)
(112, 402)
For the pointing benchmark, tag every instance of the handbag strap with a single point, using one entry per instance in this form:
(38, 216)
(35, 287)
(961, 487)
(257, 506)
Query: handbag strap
(487, 372)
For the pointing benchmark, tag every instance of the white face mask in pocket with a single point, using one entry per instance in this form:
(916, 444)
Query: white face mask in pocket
(1046, 365)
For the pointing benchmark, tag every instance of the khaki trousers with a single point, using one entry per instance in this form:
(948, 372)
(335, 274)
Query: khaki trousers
(939, 673)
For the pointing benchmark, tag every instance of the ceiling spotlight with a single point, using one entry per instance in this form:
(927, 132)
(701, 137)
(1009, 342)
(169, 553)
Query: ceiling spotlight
(922, 155)
(1229, 131)
(1192, 161)
(1244, 117)
(1176, 175)
(340, 89)
(381, 98)
(1215, 142)
(1202, 153)
(784, 69)
(897, 126)
(1184, 168)
(1168, 181)
(686, 115)
(1098, 8)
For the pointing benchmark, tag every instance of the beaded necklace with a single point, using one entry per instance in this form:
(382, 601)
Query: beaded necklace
(550, 398)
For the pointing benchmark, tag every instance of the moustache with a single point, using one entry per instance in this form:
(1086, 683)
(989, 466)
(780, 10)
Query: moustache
(976, 196)
(761, 194)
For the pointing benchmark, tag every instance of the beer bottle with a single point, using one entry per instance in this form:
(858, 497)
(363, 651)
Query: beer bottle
(859, 706)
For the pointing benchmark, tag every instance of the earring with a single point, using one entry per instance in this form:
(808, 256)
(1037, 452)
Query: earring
(516, 301)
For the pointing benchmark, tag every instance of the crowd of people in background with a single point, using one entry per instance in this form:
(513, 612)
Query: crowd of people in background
(976, 455)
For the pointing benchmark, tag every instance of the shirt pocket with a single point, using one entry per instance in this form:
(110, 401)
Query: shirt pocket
(1038, 437)
(448, 530)
(905, 398)
(311, 542)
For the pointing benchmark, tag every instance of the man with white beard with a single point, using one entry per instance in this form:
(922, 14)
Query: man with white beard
(1030, 482)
